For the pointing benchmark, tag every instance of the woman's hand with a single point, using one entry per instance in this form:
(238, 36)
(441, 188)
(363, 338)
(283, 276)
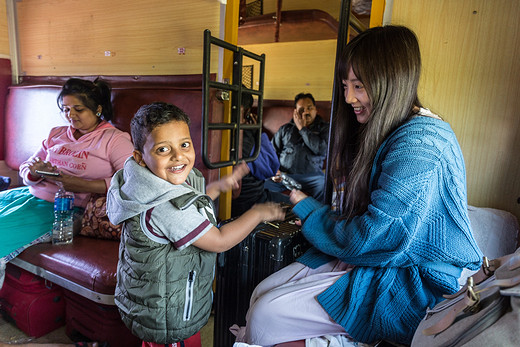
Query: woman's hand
(296, 196)
(252, 119)
(68, 182)
(78, 185)
(40, 165)
(278, 177)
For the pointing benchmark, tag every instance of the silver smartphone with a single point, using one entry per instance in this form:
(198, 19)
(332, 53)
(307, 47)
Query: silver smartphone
(48, 173)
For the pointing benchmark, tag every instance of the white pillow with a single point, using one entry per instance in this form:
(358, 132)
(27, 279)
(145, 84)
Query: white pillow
(496, 233)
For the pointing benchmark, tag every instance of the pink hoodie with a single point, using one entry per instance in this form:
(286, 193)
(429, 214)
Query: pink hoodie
(96, 155)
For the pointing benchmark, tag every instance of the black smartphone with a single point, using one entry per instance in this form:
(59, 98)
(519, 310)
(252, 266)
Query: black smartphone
(48, 173)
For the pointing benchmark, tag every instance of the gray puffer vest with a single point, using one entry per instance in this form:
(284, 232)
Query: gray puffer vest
(164, 295)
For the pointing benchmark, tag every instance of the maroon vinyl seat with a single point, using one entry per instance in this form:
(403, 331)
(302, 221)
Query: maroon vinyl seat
(88, 266)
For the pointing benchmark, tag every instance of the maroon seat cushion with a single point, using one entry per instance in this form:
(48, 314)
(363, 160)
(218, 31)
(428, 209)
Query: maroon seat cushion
(31, 111)
(89, 262)
(34, 102)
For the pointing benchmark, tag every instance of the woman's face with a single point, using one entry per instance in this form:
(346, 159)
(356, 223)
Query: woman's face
(356, 96)
(79, 116)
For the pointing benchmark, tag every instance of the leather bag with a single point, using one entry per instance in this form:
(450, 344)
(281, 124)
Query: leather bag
(485, 312)
(95, 222)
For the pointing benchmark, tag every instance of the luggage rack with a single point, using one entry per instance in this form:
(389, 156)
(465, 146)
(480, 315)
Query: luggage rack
(235, 86)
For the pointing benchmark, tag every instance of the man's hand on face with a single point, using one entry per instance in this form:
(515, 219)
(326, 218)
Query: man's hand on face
(304, 113)
(299, 120)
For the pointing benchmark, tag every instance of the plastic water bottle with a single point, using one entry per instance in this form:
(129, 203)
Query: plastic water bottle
(62, 229)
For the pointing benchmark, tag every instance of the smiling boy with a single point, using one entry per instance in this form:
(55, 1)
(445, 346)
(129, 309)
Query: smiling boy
(169, 238)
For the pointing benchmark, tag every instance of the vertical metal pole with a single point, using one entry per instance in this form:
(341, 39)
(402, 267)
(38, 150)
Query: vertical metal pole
(206, 62)
(336, 90)
(231, 36)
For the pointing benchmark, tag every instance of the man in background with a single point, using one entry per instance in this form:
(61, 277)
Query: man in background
(301, 146)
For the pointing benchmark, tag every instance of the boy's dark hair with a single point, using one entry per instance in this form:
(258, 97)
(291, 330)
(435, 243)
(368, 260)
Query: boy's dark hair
(91, 94)
(148, 117)
(304, 96)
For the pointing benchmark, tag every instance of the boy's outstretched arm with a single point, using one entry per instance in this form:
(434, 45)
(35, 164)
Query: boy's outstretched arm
(228, 182)
(230, 234)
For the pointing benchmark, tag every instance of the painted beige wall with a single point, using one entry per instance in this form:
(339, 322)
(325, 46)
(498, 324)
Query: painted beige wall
(471, 73)
(304, 66)
(471, 76)
(71, 37)
(294, 67)
(53, 41)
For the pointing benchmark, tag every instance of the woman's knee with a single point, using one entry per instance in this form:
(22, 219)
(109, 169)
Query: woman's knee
(260, 309)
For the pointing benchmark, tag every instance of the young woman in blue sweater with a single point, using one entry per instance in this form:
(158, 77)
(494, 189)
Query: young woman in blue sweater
(400, 234)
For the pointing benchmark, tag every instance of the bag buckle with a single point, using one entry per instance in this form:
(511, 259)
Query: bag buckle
(473, 296)
(486, 268)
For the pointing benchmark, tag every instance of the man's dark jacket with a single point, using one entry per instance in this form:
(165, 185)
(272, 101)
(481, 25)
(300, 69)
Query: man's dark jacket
(302, 151)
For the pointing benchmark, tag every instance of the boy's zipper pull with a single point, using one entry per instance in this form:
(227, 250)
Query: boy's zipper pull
(189, 296)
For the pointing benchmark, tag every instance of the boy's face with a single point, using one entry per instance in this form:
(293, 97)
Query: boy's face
(168, 152)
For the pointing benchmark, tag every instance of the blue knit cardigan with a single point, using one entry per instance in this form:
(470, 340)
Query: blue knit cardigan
(409, 247)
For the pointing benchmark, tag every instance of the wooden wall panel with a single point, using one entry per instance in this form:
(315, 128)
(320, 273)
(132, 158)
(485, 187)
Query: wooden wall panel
(4, 37)
(71, 37)
(471, 76)
(294, 67)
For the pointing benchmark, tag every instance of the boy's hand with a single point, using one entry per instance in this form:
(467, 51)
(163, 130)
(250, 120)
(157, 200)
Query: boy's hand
(228, 182)
(269, 211)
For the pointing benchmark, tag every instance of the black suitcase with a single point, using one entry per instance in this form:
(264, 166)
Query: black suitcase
(267, 249)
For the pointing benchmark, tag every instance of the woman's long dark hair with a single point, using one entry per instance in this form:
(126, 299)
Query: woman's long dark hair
(387, 61)
(92, 94)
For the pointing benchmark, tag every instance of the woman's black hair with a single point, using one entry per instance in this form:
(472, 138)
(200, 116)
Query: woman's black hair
(92, 94)
(387, 61)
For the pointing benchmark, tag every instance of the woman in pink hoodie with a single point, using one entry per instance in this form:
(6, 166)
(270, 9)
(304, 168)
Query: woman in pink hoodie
(86, 154)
